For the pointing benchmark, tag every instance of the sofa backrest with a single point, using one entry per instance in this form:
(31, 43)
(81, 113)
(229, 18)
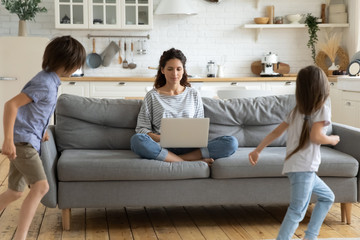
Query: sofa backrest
(248, 119)
(90, 123)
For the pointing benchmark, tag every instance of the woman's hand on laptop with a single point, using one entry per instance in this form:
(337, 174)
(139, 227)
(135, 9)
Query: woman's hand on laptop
(155, 137)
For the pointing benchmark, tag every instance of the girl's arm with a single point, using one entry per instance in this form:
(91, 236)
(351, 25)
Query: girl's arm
(10, 111)
(317, 136)
(277, 132)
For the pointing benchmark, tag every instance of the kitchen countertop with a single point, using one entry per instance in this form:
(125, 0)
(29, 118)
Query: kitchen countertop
(151, 79)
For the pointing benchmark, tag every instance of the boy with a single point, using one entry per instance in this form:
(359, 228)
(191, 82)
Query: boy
(26, 117)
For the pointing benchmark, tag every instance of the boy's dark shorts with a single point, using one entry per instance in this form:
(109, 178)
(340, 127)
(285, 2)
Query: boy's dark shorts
(26, 168)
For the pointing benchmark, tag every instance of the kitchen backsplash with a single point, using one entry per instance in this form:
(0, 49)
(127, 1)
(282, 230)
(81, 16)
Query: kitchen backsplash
(215, 33)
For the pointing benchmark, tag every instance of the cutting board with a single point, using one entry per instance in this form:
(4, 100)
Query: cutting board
(256, 68)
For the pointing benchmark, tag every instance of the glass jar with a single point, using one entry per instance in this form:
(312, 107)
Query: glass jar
(279, 20)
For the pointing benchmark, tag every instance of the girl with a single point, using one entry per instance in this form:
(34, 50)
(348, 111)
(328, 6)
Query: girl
(173, 97)
(306, 125)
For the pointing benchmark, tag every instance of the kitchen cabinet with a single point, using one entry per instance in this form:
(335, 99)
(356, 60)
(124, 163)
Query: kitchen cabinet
(280, 88)
(348, 100)
(104, 14)
(227, 90)
(125, 90)
(350, 108)
(71, 14)
(75, 88)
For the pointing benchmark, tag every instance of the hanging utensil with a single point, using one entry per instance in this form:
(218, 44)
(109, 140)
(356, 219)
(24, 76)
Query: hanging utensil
(93, 60)
(120, 59)
(132, 65)
(125, 62)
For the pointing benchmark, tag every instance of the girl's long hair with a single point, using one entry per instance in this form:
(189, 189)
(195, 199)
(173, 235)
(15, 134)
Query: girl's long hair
(165, 57)
(312, 90)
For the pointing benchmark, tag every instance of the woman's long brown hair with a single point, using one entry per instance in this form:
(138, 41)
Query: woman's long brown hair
(312, 90)
(165, 57)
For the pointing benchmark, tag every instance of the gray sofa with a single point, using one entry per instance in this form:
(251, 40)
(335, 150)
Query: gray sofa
(89, 163)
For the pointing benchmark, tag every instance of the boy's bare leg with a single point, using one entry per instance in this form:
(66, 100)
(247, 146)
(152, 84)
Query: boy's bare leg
(29, 206)
(8, 197)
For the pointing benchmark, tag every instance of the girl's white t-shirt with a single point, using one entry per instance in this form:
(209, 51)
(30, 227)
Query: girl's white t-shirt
(308, 158)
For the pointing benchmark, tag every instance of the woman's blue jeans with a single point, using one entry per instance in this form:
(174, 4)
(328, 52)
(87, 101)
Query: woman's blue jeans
(144, 146)
(303, 184)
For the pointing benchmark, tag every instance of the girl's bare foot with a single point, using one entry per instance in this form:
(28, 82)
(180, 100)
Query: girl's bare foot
(209, 161)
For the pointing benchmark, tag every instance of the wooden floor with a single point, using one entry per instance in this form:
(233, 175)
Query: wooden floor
(186, 223)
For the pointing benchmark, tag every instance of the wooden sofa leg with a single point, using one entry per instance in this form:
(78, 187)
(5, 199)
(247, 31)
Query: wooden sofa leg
(66, 218)
(346, 212)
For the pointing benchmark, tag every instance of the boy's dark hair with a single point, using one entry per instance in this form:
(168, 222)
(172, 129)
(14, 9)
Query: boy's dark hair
(64, 52)
(312, 90)
(165, 57)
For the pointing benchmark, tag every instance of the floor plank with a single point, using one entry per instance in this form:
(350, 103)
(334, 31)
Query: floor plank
(162, 224)
(184, 225)
(228, 224)
(207, 226)
(140, 224)
(119, 227)
(96, 224)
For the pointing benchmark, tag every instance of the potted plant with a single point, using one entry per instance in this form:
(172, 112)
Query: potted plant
(313, 28)
(25, 9)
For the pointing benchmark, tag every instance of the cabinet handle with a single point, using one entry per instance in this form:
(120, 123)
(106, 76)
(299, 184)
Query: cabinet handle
(332, 84)
(288, 83)
(8, 78)
(234, 84)
(348, 104)
(122, 83)
(72, 83)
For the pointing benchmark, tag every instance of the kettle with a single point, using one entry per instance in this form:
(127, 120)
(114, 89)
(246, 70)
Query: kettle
(211, 69)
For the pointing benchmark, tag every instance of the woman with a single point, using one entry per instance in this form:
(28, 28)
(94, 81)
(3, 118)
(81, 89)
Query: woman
(173, 97)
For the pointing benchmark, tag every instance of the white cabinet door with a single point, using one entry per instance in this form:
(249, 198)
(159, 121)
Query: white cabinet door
(226, 90)
(125, 90)
(104, 14)
(71, 14)
(137, 14)
(280, 88)
(350, 108)
(75, 88)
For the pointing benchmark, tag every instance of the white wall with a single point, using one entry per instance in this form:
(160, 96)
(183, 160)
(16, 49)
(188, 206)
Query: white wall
(214, 34)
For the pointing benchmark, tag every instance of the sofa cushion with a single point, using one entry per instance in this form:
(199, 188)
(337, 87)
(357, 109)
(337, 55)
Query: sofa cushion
(90, 123)
(270, 164)
(248, 119)
(112, 165)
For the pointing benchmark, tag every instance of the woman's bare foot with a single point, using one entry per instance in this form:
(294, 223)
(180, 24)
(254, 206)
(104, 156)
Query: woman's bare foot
(209, 161)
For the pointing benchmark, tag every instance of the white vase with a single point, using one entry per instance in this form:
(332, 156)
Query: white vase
(332, 68)
(22, 28)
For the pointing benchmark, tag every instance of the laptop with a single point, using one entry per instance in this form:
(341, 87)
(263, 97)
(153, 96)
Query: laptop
(184, 132)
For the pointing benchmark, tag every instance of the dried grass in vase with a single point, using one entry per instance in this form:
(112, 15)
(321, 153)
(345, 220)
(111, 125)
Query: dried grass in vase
(330, 46)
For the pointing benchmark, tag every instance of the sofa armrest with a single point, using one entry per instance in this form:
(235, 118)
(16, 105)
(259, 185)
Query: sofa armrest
(349, 143)
(349, 139)
(49, 157)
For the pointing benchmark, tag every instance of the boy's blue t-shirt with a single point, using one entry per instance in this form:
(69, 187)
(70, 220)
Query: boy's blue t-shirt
(32, 119)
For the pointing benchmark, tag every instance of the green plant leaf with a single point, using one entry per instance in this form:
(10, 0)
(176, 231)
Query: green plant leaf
(313, 28)
(24, 9)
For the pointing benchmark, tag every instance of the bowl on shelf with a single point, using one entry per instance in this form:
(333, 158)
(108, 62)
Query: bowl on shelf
(261, 20)
(294, 18)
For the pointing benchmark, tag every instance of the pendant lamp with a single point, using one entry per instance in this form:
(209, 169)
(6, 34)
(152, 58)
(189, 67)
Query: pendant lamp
(182, 7)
